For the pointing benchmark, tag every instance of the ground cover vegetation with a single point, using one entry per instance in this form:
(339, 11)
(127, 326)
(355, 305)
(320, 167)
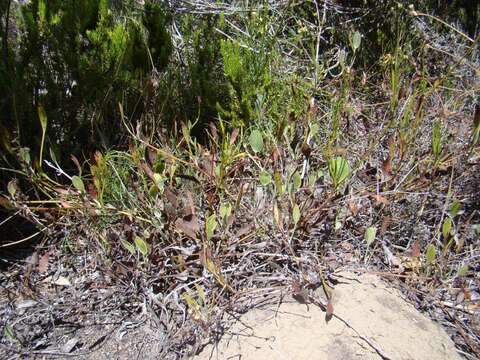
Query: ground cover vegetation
(183, 160)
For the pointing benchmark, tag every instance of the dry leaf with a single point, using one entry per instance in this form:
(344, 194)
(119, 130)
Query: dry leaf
(65, 204)
(385, 223)
(76, 162)
(387, 166)
(147, 170)
(43, 262)
(329, 310)
(353, 207)
(151, 155)
(380, 199)
(234, 135)
(415, 251)
(277, 215)
(213, 130)
(188, 225)
(60, 281)
(244, 230)
(92, 191)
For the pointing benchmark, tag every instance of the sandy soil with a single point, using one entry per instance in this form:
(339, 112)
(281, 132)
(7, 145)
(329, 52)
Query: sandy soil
(371, 321)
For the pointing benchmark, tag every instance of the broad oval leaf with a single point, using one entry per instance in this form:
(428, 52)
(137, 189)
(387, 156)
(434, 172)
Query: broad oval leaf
(356, 40)
(256, 141)
(370, 234)
(12, 188)
(78, 183)
(431, 254)
(141, 245)
(296, 214)
(447, 228)
(42, 115)
(462, 270)
(129, 247)
(455, 209)
(210, 226)
(265, 178)
(225, 210)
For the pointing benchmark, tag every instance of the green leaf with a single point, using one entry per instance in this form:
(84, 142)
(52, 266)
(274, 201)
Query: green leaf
(128, 246)
(256, 141)
(53, 156)
(210, 226)
(225, 210)
(9, 333)
(447, 228)
(78, 183)
(296, 214)
(42, 115)
(297, 180)
(277, 177)
(431, 254)
(339, 170)
(12, 188)
(314, 130)
(462, 270)
(25, 155)
(356, 40)
(159, 181)
(370, 234)
(141, 245)
(265, 178)
(455, 209)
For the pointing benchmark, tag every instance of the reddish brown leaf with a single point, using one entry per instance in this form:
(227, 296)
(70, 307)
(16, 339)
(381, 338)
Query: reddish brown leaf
(147, 170)
(476, 116)
(415, 251)
(380, 199)
(76, 162)
(385, 223)
(43, 262)
(152, 155)
(234, 135)
(65, 204)
(329, 308)
(171, 197)
(189, 226)
(353, 208)
(98, 157)
(245, 230)
(189, 204)
(387, 166)
(92, 191)
(213, 130)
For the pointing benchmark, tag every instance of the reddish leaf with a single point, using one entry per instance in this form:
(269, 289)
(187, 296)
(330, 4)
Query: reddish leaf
(213, 130)
(234, 135)
(415, 251)
(65, 204)
(329, 309)
(380, 199)
(476, 116)
(353, 208)
(385, 223)
(76, 162)
(43, 262)
(171, 197)
(98, 157)
(152, 155)
(188, 225)
(92, 191)
(387, 167)
(245, 230)
(147, 170)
